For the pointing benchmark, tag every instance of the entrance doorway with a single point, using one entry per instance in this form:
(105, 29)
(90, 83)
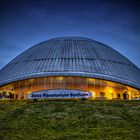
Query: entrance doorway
(125, 96)
(118, 96)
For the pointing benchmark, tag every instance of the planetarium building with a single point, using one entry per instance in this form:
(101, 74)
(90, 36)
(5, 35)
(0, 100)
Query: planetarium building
(70, 68)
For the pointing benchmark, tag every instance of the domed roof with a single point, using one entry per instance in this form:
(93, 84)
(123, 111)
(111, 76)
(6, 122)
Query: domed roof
(71, 56)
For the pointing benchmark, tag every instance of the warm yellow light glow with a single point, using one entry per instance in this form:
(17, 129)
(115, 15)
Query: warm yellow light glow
(110, 89)
(93, 94)
(90, 80)
(31, 80)
(61, 78)
(109, 92)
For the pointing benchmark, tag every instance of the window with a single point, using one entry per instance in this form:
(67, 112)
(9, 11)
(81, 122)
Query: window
(102, 94)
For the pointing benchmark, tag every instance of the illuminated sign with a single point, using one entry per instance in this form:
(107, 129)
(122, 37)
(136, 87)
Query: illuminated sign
(58, 94)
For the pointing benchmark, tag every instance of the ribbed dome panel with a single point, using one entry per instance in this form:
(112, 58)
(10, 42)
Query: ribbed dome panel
(71, 56)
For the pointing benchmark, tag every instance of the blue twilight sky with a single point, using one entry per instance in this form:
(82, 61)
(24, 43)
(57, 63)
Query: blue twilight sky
(24, 23)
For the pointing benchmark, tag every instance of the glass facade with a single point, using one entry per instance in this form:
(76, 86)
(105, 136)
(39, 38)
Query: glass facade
(100, 89)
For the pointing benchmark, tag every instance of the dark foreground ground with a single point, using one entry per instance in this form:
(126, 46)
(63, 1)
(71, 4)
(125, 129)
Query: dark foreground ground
(70, 120)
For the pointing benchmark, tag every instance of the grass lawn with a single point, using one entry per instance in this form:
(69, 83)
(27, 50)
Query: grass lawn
(70, 120)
